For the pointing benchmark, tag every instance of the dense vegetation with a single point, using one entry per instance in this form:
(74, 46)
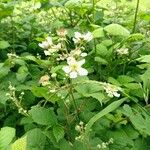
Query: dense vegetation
(74, 75)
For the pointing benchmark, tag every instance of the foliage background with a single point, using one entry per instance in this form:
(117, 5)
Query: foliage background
(34, 118)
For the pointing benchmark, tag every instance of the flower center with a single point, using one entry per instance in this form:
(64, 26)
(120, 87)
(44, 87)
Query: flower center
(74, 67)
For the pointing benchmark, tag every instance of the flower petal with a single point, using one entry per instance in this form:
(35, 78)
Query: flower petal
(66, 69)
(73, 74)
(116, 94)
(82, 72)
(81, 62)
(47, 53)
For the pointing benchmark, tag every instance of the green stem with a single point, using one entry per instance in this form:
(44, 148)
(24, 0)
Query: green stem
(73, 99)
(93, 9)
(135, 16)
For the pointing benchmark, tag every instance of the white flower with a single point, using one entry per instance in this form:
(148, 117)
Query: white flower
(47, 43)
(83, 54)
(122, 51)
(78, 37)
(74, 68)
(88, 36)
(112, 90)
(52, 49)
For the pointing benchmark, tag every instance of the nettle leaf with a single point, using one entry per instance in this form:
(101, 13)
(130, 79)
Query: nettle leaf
(117, 30)
(58, 132)
(4, 44)
(35, 139)
(43, 116)
(6, 136)
(139, 118)
(20, 144)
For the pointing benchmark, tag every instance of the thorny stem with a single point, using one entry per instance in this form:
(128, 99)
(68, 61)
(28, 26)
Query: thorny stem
(135, 16)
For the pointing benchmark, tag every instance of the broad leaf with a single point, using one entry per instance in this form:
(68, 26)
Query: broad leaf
(43, 116)
(117, 30)
(6, 136)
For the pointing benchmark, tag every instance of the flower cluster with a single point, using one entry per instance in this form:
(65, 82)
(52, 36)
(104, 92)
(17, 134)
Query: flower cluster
(122, 51)
(16, 101)
(86, 37)
(104, 145)
(80, 128)
(49, 47)
(75, 58)
(111, 90)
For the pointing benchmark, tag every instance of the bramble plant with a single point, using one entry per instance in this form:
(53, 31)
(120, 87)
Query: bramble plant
(74, 75)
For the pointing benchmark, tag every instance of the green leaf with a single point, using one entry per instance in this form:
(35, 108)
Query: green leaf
(6, 136)
(58, 132)
(4, 70)
(43, 116)
(4, 44)
(135, 37)
(101, 60)
(35, 140)
(20, 144)
(98, 33)
(101, 50)
(91, 89)
(139, 118)
(22, 73)
(145, 58)
(3, 97)
(125, 79)
(102, 113)
(117, 30)
(44, 92)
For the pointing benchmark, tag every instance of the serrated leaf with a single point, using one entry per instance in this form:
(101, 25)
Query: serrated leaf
(35, 140)
(43, 116)
(139, 118)
(58, 132)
